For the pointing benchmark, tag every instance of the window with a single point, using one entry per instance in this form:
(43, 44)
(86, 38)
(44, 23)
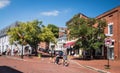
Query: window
(113, 43)
(110, 29)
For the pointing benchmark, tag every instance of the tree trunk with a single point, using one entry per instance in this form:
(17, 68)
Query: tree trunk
(34, 50)
(36, 53)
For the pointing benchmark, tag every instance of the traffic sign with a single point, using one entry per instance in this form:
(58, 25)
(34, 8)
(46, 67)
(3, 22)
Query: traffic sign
(108, 41)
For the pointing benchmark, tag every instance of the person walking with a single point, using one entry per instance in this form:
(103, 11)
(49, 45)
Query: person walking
(65, 59)
(57, 59)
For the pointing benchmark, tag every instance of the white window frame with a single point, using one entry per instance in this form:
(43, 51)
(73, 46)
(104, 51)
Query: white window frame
(109, 29)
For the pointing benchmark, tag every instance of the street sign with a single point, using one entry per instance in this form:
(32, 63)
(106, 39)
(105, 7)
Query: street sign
(108, 41)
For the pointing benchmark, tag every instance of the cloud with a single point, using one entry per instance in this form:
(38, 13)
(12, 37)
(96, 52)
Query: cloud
(50, 13)
(67, 10)
(4, 3)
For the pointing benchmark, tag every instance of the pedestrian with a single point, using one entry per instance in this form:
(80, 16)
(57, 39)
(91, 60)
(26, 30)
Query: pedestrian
(84, 54)
(65, 59)
(57, 59)
(8, 52)
(15, 51)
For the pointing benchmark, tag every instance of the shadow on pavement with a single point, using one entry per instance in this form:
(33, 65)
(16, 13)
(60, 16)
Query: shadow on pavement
(75, 58)
(46, 56)
(6, 69)
(85, 59)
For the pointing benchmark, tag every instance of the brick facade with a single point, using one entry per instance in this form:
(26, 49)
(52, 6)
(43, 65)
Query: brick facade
(113, 17)
(62, 31)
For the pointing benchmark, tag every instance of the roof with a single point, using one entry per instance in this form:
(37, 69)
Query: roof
(4, 30)
(108, 12)
(77, 15)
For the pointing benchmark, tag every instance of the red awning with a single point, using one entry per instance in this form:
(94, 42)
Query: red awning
(69, 44)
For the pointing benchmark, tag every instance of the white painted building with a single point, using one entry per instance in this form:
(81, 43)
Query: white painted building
(5, 44)
(61, 40)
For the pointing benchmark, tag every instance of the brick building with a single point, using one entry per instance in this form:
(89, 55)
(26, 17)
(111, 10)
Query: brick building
(112, 31)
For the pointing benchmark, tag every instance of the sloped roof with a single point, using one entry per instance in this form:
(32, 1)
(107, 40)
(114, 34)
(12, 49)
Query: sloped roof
(4, 30)
(77, 15)
(108, 12)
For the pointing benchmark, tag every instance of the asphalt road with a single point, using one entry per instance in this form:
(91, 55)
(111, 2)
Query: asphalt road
(44, 65)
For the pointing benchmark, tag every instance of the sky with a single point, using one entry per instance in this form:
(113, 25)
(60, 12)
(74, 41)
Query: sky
(56, 12)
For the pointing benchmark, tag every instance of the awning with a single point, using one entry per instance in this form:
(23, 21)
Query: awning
(68, 44)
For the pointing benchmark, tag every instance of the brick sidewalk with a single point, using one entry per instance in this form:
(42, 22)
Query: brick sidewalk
(99, 64)
(39, 65)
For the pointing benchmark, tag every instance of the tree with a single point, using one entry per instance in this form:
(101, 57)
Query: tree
(30, 33)
(47, 35)
(90, 37)
(54, 29)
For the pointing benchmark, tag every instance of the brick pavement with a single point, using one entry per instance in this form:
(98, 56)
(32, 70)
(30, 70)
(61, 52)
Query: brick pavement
(96, 65)
(99, 65)
(38, 65)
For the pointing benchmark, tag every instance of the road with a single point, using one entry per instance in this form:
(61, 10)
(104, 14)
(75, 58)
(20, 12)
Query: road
(44, 65)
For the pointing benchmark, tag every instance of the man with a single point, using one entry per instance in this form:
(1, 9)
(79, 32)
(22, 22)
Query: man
(65, 61)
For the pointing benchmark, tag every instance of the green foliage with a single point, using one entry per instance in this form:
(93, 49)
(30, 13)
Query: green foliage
(47, 35)
(54, 29)
(87, 34)
(30, 33)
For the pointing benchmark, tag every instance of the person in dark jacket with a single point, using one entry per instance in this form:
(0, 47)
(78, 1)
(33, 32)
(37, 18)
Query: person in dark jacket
(57, 59)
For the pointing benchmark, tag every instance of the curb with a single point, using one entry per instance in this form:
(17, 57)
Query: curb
(90, 67)
(98, 70)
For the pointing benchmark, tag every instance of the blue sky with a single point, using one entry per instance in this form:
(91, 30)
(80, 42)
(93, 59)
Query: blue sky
(56, 12)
